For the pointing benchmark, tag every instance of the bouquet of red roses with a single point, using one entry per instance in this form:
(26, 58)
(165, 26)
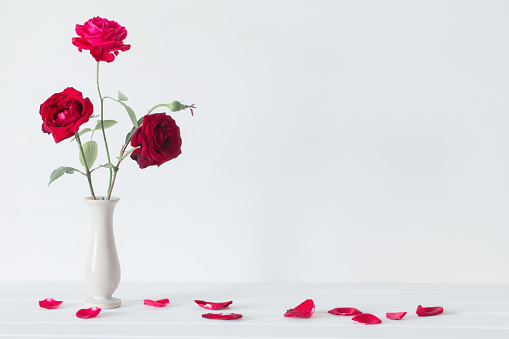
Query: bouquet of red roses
(155, 138)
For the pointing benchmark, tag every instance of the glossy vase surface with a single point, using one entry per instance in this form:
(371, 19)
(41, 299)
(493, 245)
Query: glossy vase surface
(102, 271)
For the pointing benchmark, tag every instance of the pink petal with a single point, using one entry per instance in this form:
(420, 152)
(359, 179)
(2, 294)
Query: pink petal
(156, 303)
(395, 316)
(49, 303)
(86, 313)
(213, 306)
(304, 310)
(81, 44)
(366, 318)
(428, 311)
(345, 311)
(222, 316)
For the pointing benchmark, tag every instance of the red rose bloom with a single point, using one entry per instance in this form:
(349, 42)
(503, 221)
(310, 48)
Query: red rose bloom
(102, 37)
(158, 139)
(63, 113)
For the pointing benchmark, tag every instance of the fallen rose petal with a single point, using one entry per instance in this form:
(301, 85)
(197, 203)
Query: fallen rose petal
(304, 310)
(222, 316)
(345, 311)
(156, 303)
(366, 318)
(49, 303)
(395, 315)
(213, 306)
(86, 313)
(428, 311)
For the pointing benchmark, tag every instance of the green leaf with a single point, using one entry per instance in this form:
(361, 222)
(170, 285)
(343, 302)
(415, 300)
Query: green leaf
(127, 153)
(131, 114)
(90, 150)
(59, 172)
(121, 96)
(85, 130)
(130, 134)
(110, 165)
(107, 124)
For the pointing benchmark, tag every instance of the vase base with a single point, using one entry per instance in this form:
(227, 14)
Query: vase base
(107, 303)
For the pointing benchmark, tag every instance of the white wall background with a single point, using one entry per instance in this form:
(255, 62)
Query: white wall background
(346, 141)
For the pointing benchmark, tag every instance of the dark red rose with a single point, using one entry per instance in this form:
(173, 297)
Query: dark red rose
(63, 113)
(158, 139)
(102, 37)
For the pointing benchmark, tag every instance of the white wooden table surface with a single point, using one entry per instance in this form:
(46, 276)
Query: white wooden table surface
(470, 311)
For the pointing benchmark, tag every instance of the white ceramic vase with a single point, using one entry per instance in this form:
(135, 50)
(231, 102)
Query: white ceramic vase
(102, 271)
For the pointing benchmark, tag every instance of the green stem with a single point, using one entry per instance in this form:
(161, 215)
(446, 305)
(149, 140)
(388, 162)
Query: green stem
(106, 97)
(118, 166)
(89, 177)
(104, 133)
(153, 108)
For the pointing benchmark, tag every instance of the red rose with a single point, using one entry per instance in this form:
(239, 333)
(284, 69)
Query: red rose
(63, 113)
(158, 139)
(102, 37)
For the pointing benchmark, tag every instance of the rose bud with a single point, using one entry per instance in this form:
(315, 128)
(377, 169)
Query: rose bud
(176, 106)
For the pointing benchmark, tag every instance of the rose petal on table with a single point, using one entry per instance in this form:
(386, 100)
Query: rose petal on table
(428, 311)
(222, 316)
(345, 311)
(86, 313)
(366, 318)
(304, 310)
(213, 306)
(156, 303)
(395, 315)
(49, 303)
